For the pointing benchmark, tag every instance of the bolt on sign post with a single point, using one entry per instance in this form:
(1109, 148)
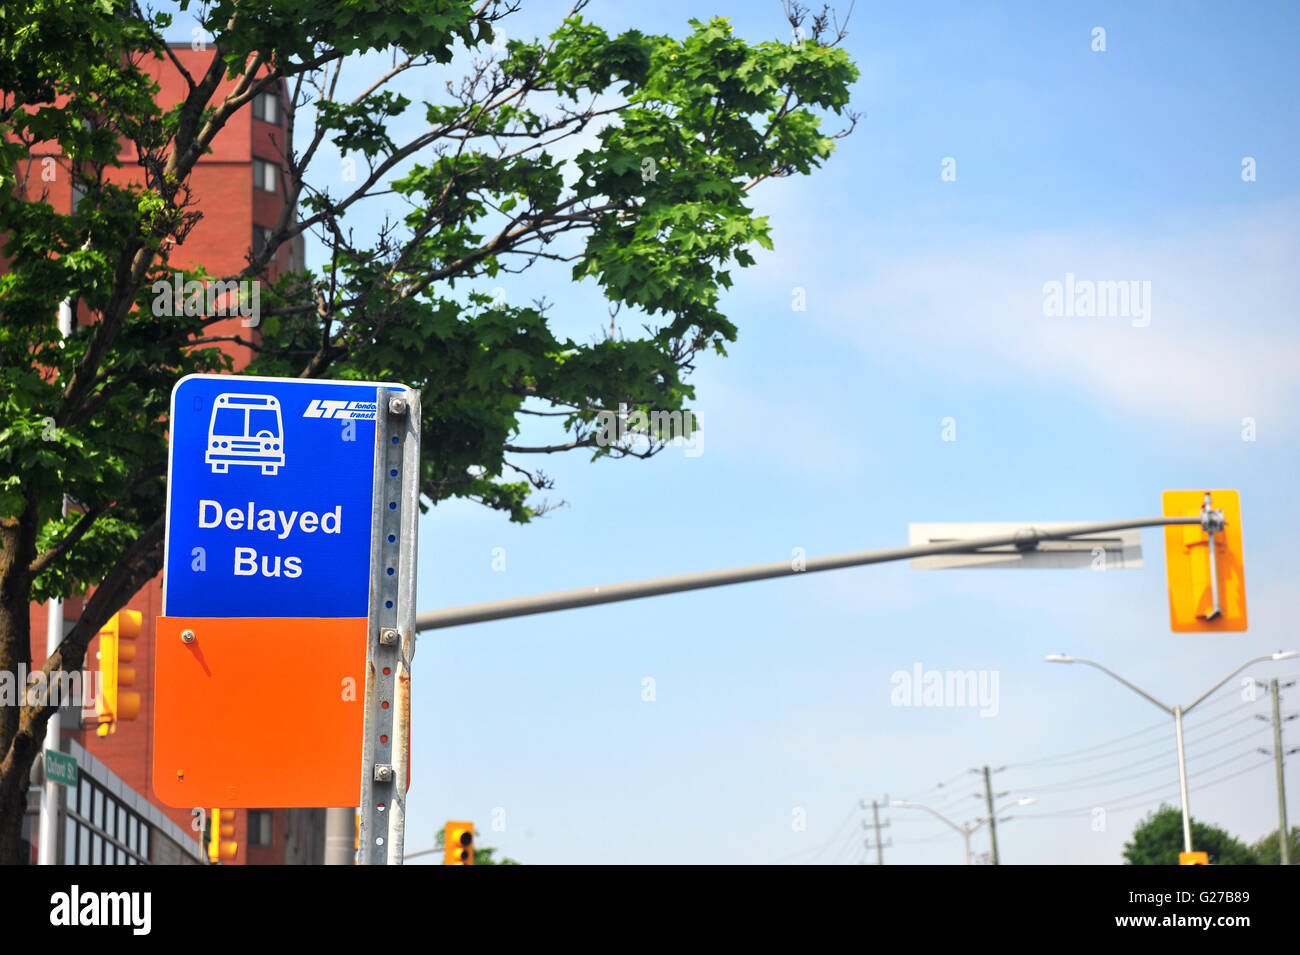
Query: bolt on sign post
(283, 652)
(1204, 562)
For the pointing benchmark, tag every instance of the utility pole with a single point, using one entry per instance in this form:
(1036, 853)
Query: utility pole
(1284, 836)
(875, 819)
(877, 825)
(993, 818)
(1284, 832)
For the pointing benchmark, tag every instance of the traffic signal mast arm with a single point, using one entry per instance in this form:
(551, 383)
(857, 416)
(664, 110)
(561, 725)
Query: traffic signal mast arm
(1027, 538)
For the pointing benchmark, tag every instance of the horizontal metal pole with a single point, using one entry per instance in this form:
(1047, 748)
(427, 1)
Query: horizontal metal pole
(635, 589)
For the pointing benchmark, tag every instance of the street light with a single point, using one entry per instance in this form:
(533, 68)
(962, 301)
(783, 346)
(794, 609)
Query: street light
(1177, 713)
(967, 829)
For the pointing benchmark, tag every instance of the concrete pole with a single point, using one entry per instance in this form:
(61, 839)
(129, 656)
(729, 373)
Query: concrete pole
(340, 836)
(1182, 779)
(993, 818)
(1284, 834)
(875, 821)
(47, 849)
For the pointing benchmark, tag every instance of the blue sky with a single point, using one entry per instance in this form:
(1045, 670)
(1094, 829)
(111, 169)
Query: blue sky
(823, 431)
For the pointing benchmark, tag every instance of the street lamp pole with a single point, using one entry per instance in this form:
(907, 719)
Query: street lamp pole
(965, 830)
(1177, 712)
(1182, 779)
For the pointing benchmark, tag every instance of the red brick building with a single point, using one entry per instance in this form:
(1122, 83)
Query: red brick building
(238, 190)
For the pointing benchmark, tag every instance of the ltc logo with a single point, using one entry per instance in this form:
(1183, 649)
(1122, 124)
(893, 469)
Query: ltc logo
(360, 410)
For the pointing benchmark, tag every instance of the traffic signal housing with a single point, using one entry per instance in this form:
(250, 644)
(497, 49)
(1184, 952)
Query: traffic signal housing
(222, 846)
(1193, 858)
(1195, 576)
(458, 844)
(116, 663)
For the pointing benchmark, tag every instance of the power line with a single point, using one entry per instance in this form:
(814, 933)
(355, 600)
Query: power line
(1083, 810)
(1083, 782)
(933, 789)
(824, 846)
(849, 845)
(1163, 724)
(1169, 794)
(942, 834)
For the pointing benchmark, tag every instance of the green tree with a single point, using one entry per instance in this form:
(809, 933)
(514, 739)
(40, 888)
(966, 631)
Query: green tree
(1158, 839)
(1269, 851)
(670, 138)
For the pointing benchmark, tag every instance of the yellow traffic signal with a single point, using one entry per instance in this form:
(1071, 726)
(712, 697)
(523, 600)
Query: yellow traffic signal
(116, 652)
(1207, 585)
(222, 846)
(458, 844)
(1193, 858)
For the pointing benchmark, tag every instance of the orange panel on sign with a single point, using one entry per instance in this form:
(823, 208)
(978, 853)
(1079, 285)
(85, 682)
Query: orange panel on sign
(259, 712)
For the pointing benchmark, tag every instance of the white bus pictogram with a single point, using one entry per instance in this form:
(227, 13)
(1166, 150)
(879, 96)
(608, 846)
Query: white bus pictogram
(245, 429)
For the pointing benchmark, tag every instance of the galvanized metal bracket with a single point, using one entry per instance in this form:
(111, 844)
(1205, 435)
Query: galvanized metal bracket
(1212, 522)
(390, 642)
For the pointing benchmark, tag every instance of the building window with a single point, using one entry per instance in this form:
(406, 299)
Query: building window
(259, 827)
(266, 107)
(102, 830)
(265, 175)
(69, 841)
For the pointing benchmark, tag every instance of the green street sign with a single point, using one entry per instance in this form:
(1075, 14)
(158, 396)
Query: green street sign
(60, 768)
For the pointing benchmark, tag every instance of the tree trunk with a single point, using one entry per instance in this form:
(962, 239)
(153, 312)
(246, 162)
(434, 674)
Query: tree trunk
(22, 733)
(17, 747)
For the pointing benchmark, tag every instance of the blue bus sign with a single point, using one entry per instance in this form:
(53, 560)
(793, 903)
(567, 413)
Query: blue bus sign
(269, 497)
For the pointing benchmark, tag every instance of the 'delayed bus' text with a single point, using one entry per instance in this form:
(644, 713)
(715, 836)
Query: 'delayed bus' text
(280, 523)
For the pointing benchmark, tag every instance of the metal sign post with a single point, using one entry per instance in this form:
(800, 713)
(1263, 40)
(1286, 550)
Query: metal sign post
(385, 742)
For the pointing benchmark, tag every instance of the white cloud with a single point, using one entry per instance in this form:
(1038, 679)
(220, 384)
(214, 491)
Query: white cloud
(1222, 343)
